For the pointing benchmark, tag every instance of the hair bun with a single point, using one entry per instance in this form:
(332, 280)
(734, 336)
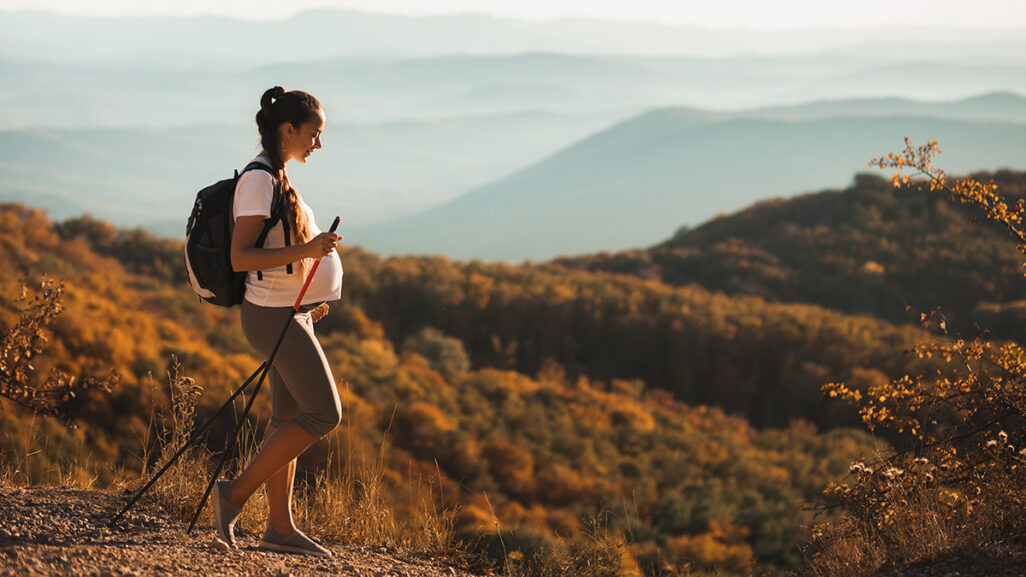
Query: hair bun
(270, 95)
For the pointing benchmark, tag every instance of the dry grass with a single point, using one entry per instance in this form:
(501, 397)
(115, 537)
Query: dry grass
(349, 502)
(917, 526)
(42, 451)
(343, 501)
(601, 553)
(350, 499)
(179, 488)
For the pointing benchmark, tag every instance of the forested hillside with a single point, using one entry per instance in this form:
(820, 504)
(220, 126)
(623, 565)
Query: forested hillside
(763, 361)
(562, 396)
(867, 249)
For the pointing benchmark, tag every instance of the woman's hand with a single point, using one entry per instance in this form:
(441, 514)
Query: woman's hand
(319, 313)
(322, 244)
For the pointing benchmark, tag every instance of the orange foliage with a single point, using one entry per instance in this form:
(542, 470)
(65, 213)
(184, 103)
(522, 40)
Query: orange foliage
(721, 547)
(511, 466)
(564, 486)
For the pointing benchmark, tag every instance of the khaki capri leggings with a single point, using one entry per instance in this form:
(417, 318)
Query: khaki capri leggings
(302, 386)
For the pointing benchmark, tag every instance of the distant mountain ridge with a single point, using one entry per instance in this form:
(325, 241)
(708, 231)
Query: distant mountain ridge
(635, 183)
(992, 106)
(376, 172)
(216, 40)
(372, 172)
(369, 89)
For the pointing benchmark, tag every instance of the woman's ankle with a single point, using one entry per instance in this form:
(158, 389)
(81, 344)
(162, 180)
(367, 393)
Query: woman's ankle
(231, 496)
(283, 529)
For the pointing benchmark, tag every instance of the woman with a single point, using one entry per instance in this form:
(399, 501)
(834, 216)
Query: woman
(305, 403)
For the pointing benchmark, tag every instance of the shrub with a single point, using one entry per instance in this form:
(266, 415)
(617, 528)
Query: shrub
(957, 484)
(445, 353)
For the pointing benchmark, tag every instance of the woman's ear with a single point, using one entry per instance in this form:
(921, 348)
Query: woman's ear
(288, 132)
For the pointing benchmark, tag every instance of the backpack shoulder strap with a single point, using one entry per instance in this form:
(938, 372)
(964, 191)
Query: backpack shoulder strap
(277, 212)
(257, 165)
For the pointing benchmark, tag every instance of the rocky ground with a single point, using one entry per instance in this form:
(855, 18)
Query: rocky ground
(1001, 560)
(961, 567)
(55, 531)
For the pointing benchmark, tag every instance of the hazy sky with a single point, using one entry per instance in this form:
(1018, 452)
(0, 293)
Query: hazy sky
(753, 13)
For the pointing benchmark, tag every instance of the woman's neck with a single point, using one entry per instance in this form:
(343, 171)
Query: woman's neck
(268, 156)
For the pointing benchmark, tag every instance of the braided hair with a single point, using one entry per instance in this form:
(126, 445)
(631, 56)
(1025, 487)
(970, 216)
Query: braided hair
(278, 106)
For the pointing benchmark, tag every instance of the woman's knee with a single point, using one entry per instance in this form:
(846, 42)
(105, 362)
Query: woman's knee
(323, 421)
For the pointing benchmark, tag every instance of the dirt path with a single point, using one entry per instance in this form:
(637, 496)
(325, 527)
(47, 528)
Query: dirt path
(1005, 559)
(961, 568)
(55, 531)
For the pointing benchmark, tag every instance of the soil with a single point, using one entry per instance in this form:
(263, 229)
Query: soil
(987, 564)
(59, 531)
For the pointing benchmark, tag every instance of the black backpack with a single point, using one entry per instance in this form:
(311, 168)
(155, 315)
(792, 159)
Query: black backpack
(208, 240)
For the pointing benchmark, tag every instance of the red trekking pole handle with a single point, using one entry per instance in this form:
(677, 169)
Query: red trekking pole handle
(317, 263)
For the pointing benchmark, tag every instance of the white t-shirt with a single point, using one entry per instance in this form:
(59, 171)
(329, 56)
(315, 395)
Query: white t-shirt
(253, 196)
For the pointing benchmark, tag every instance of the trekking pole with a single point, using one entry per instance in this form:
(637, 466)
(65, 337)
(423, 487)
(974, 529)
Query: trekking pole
(196, 435)
(233, 437)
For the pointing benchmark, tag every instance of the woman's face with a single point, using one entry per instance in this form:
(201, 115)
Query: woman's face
(302, 141)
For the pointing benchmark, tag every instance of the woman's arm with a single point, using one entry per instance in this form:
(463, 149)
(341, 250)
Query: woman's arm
(245, 256)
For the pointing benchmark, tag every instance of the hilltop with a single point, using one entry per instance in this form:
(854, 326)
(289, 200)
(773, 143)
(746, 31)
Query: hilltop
(865, 249)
